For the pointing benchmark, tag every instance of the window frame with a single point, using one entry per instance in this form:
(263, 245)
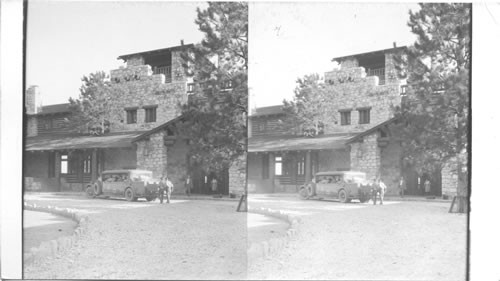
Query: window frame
(278, 162)
(364, 115)
(147, 117)
(131, 111)
(343, 114)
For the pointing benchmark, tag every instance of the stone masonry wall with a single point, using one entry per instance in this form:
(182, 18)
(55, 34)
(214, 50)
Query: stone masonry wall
(152, 154)
(365, 156)
(351, 90)
(237, 176)
(449, 179)
(140, 89)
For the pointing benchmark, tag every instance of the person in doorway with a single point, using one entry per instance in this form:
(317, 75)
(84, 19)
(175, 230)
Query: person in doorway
(402, 187)
(427, 186)
(188, 184)
(214, 185)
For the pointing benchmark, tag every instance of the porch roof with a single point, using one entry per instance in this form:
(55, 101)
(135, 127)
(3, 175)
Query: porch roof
(289, 143)
(64, 142)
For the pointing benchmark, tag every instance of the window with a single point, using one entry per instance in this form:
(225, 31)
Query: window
(150, 114)
(262, 125)
(190, 87)
(301, 166)
(265, 167)
(278, 166)
(364, 116)
(86, 164)
(131, 116)
(345, 117)
(64, 163)
(403, 90)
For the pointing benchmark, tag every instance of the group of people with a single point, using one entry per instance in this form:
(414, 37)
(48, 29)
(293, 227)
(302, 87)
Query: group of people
(379, 188)
(166, 187)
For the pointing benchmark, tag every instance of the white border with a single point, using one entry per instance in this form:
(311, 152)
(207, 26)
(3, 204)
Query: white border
(11, 94)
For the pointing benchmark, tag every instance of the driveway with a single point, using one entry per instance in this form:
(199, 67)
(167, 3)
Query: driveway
(144, 240)
(394, 241)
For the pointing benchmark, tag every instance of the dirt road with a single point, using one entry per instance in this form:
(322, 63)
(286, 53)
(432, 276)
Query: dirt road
(394, 241)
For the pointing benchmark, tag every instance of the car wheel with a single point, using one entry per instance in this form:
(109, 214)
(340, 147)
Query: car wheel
(343, 196)
(129, 194)
(97, 190)
(90, 191)
(303, 193)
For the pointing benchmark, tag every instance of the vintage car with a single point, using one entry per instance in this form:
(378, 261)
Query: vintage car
(128, 184)
(344, 185)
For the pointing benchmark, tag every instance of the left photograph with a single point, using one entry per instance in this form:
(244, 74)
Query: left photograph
(134, 162)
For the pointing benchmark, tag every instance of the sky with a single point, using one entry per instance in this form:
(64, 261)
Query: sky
(68, 39)
(290, 40)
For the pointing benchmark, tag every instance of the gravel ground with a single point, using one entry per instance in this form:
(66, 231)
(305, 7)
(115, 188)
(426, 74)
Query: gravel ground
(394, 241)
(41, 226)
(143, 240)
(263, 228)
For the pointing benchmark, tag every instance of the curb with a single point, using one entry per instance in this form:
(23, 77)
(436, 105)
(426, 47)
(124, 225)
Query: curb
(52, 247)
(267, 248)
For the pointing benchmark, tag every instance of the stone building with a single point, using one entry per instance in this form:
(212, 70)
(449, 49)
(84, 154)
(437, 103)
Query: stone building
(142, 135)
(363, 90)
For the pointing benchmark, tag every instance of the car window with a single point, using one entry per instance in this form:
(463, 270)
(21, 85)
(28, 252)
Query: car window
(121, 177)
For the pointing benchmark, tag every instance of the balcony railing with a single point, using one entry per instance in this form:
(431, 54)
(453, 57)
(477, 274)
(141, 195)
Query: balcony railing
(166, 70)
(379, 72)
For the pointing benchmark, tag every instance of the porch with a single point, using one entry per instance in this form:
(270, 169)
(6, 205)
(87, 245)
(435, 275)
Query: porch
(68, 163)
(284, 163)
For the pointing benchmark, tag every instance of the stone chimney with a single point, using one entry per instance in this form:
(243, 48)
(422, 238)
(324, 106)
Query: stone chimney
(394, 44)
(182, 42)
(33, 100)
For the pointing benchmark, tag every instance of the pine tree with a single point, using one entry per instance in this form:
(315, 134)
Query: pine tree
(435, 113)
(215, 115)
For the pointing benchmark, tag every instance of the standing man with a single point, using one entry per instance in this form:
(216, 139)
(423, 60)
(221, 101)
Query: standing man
(170, 188)
(162, 187)
(188, 184)
(214, 185)
(427, 186)
(402, 186)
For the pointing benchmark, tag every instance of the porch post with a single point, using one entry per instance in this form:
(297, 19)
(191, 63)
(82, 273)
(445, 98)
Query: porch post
(271, 170)
(308, 167)
(57, 169)
(94, 165)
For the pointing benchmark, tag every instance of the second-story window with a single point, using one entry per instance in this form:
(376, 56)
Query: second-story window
(364, 115)
(150, 114)
(345, 117)
(131, 115)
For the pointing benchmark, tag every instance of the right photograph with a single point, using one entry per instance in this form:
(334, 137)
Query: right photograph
(358, 141)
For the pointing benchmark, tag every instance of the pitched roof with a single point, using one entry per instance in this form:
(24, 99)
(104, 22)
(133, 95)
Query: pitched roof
(64, 142)
(371, 130)
(289, 143)
(159, 128)
(268, 110)
(157, 51)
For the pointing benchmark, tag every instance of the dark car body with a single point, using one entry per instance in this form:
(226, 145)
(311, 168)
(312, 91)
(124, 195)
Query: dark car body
(129, 184)
(344, 185)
